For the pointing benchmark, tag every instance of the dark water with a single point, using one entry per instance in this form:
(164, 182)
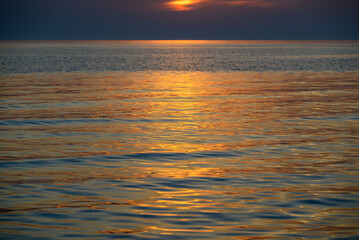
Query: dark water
(179, 140)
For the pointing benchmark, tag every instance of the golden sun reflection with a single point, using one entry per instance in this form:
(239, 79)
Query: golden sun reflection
(178, 112)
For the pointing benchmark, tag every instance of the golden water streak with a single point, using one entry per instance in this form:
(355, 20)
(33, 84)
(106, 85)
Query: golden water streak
(185, 108)
(271, 119)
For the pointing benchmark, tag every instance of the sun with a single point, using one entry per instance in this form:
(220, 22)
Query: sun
(182, 5)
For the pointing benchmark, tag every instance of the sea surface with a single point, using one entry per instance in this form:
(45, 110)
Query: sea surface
(179, 140)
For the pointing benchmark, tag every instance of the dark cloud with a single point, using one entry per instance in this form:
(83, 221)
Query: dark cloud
(149, 19)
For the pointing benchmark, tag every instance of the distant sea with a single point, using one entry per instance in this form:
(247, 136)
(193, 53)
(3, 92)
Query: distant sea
(179, 140)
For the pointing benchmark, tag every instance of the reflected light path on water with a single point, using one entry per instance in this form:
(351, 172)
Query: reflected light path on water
(180, 155)
(172, 112)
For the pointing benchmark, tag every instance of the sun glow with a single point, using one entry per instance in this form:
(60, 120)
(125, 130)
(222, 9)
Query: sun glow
(182, 5)
(185, 5)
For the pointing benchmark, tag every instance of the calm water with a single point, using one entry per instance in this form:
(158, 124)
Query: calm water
(168, 140)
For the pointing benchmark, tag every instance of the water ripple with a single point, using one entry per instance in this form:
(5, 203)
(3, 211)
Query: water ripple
(179, 155)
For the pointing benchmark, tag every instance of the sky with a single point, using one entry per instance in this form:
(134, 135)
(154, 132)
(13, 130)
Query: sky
(179, 19)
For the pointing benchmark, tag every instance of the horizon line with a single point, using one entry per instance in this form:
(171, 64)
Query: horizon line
(185, 41)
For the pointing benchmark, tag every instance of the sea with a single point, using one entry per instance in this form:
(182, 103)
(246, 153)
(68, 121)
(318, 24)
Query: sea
(242, 140)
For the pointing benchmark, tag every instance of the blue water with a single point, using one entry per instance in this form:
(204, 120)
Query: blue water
(196, 140)
(171, 56)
